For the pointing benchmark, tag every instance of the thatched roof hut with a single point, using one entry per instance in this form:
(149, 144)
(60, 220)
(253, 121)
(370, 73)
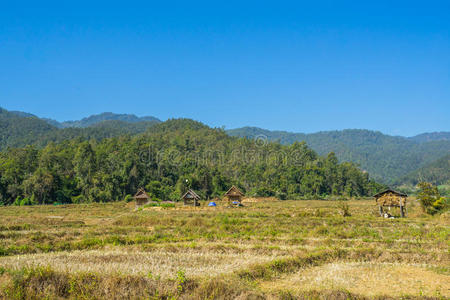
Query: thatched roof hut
(191, 198)
(141, 197)
(234, 195)
(390, 198)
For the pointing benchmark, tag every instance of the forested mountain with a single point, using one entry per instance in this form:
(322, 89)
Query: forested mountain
(92, 120)
(18, 129)
(169, 158)
(107, 116)
(385, 157)
(437, 172)
(431, 136)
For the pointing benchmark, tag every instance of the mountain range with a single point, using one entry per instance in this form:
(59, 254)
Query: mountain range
(387, 158)
(393, 160)
(92, 120)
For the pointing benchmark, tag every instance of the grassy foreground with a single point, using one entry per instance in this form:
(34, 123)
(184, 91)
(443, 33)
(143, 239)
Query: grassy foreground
(265, 250)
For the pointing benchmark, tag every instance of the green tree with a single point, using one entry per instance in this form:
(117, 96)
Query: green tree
(84, 166)
(430, 198)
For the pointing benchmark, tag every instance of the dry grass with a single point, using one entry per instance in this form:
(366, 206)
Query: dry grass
(161, 263)
(369, 279)
(268, 248)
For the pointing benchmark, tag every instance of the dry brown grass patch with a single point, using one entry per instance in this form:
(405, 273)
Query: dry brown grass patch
(368, 279)
(158, 262)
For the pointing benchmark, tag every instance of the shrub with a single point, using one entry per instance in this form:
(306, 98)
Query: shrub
(181, 280)
(128, 198)
(17, 201)
(26, 201)
(78, 199)
(430, 199)
(155, 199)
(281, 195)
(344, 209)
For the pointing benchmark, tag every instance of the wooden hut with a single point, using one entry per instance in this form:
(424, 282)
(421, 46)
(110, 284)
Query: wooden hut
(391, 198)
(141, 198)
(191, 198)
(234, 195)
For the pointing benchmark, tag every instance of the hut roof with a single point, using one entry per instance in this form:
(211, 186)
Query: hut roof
(390, 191)
(141, 194)
(234, 191)
(190, 194)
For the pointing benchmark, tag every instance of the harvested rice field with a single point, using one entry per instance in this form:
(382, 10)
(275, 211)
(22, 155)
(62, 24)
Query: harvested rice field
(365, 278)
(267, 249)
(161, 263)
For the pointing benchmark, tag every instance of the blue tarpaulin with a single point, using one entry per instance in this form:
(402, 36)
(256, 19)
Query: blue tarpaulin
(212, 204)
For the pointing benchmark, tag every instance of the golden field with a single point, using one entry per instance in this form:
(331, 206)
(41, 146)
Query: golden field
(266, 250)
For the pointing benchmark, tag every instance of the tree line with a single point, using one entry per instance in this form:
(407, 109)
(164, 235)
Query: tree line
(387, 158)
(168, 159)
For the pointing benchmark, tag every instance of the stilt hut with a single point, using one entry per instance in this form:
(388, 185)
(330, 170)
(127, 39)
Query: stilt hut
(191, 198)
(141, 198)
(390, 198)
(234, 195)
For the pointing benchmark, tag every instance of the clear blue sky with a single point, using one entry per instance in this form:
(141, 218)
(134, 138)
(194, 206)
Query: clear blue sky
(300, 66)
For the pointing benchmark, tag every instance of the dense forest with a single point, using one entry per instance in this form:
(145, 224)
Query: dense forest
(386, 158)
(18, 129)
(168, 159)
(437, 173)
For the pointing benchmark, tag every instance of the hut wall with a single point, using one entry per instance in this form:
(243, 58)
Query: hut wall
(192, 202)
(140, 202)
(234, 198)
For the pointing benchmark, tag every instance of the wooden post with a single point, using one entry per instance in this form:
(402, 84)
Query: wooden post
(402, 213)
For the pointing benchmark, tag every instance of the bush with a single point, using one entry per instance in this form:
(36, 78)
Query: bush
(17, 201)
(281, 195)
(430, 199)
(128, 198)
(441, 204)
(344, 209)
(155, 199)
(78, 199)
(28, 201)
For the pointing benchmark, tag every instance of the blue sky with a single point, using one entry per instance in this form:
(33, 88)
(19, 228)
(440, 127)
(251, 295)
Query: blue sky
(300, 66)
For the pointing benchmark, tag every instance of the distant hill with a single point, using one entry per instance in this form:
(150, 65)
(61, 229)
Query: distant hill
(92, 120)
(437, 172)
(18, 129)
(108, 116)
(432, 136)
(385, 157)
(167, 159)
(22, 114)
(388, 159)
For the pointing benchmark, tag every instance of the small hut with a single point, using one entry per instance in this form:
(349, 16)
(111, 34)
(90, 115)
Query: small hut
(141, 198)
(390, 198)
(234, 195)
(191, 198)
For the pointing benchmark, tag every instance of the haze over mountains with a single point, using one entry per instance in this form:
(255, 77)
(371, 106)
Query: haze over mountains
(388, 159)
